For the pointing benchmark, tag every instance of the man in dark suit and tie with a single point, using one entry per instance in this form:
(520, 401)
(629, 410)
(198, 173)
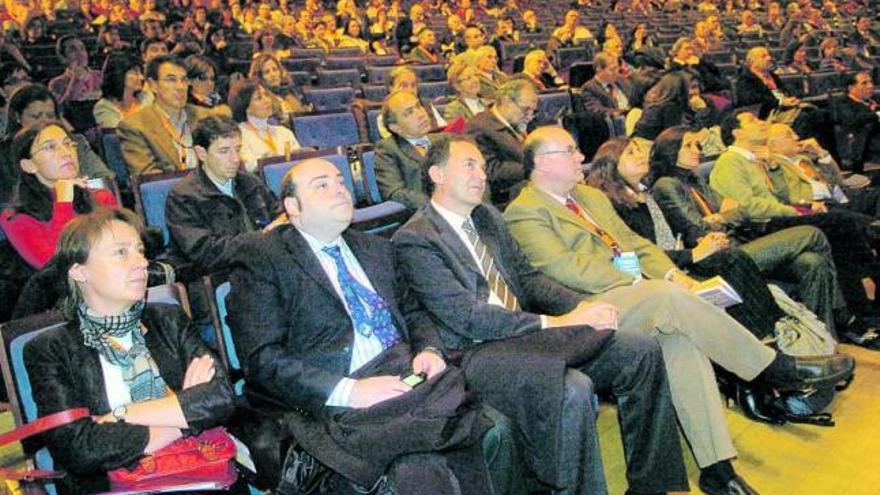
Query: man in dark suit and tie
(499, 133)
(498, 315)
(325, 346)
(608, 94)
(399, 156)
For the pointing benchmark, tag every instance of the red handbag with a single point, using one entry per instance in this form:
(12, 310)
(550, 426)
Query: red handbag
(205, 460)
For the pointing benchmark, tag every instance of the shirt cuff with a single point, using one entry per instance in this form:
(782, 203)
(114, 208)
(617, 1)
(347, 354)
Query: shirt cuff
(543, 322)
(341, 393)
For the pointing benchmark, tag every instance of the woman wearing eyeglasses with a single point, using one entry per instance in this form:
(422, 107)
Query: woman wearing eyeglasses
(28, 105)
(50, 191)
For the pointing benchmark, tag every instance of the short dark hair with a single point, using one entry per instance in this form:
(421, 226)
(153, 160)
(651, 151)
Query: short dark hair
(8, 69)
(849, 78)
(730, 123)
(664, 152)
(23, 97)
(240, 95)
(198, 66)
(154, 65)
(213, 128)
(438, 154)
(150, 41)
(113, 74)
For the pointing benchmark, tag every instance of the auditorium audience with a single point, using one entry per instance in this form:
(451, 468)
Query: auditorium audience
(779, 207)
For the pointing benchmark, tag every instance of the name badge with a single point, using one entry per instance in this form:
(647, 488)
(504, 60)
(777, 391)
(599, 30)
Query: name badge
(628, 262)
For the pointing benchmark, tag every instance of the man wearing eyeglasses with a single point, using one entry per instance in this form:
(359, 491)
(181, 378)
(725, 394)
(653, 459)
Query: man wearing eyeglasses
(158, 137)
(572, 234)
(499, 133)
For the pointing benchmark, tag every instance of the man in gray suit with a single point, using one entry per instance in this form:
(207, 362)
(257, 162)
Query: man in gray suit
(399, 156)
(502, 319)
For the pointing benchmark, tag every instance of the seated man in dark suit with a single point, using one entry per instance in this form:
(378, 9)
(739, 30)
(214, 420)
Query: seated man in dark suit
(859, 115)
(210, 211)
(500, 317)
(399, 156)
(325, 341)
(158, 137)
(608, 93)
(499, 132)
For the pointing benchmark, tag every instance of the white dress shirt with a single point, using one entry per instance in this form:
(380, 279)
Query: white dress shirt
(256, 136)
(364, 348)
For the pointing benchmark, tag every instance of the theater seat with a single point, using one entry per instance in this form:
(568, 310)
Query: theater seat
(329, 99)
(326, 130)
(150, 194)
(339, 78)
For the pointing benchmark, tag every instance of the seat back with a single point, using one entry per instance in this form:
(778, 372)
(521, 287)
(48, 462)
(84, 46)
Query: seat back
(368, 162)
(822, 83)
(150, 194)
(338, 78)
(374, 92)
(326, 130)
(222, 333)
(794, 84)
(15, 336)
(427, 73)
(337, 63)
(301, 64)
(273, 169)
(377, 74)
(431, 90)
(551, 106)
(112, 154)
(568, 56)
(329, 99)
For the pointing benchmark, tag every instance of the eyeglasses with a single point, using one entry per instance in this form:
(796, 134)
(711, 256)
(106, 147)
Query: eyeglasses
(571, 151)
(55, 146)
(174, 80)
(525, 110)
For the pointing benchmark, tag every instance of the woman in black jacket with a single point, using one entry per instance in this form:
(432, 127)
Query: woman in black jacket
(620, 179)
(140, 369)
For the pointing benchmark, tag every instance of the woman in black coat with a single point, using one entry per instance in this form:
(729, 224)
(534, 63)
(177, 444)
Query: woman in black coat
(709, 257)
(140, 369)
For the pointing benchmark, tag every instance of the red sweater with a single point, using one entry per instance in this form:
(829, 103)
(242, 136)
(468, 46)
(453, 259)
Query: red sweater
(36, 241)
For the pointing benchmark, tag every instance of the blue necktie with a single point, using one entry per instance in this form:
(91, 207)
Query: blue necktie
(369, 311)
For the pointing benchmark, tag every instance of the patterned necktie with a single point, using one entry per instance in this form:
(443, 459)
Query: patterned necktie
(496, 281)
(369, 312)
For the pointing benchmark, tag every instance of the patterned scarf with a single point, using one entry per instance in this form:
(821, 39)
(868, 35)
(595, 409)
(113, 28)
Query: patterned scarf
(139, 370)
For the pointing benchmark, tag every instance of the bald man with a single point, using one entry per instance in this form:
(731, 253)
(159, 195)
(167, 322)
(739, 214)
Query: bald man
(327, 343)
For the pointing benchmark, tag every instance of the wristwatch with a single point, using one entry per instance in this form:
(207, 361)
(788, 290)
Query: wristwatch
(119, 413)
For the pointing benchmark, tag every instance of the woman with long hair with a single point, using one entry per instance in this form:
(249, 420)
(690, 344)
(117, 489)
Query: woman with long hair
(140, 369)
(28, 105)
(288, 100)
(121, 86)
(618, 169)
(50, 191)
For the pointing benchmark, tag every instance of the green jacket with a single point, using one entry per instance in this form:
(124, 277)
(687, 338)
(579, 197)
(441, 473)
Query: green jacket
(736, 177)
(560, 244)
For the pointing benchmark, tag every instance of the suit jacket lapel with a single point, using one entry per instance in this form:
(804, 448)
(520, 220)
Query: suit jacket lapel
(451, 240)
(160, 137)
(409, 150)
(308, 261)
(564, 214)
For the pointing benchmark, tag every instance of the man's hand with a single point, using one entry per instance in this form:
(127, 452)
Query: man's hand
(682, 279)
(369, 391)
(818, 207)
(200, 370)
(697, 102)
(428, 362)
(790, 101)
(599, 315)
(710, 244)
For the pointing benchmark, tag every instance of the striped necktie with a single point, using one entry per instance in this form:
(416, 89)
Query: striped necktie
(487, 264)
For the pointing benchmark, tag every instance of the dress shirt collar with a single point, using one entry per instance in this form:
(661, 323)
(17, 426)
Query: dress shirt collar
(743, 152)
(177, 121)
(260, 124)
(453, 219)
(317, 245)
(504, 121)
(422, 141)
(226, 187)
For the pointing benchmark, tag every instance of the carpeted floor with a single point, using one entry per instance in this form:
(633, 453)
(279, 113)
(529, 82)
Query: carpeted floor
(786, 460)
